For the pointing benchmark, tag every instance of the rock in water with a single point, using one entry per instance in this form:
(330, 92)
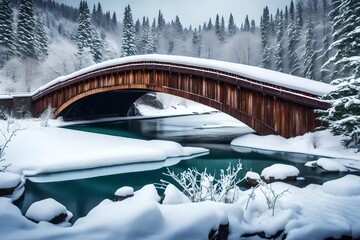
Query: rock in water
(124, 193)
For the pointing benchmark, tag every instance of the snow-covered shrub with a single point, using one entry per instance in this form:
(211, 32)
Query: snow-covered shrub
(46, 116)
(315, 140)
(202, 186)
(269, 193)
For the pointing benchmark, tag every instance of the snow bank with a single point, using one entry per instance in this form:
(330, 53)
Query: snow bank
(259, 74)
(12, 185)
(331, 165)
(327, 145)
(9, 180)
(65, 150)
(348, 185)
(308, 213)
(279, 172)
(174, 196)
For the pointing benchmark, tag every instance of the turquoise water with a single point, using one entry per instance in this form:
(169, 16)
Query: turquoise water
(80, 196)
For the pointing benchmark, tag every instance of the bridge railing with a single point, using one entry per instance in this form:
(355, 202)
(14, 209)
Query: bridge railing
(234, 79)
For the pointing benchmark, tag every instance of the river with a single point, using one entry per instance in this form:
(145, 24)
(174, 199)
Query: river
(206, 130)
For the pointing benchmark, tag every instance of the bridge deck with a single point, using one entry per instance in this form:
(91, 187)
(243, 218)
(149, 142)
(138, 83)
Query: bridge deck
(251, 73)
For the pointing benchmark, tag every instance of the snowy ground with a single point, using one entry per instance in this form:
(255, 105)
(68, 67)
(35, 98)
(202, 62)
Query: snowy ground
(313, 212)
(51, 150)
(326, 144)
(143, 217)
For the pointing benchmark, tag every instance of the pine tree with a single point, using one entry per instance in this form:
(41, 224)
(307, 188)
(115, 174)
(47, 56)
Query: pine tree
(293, 31)
(128, 40)
(326, 41)
(84, 31)
(41, 40)
(344, 114)
(161, 22)
(96, 47)
(153, 39)
(114, 23)
(26, 30)
(145, 38)
(210, 25)
(7, 32)
(178, 28)
(346, 39)
(264, 27)
(299, 15)
(247, 24)
(196, 41)
(310, 56)
(222, 30)
(252, 28)
(279, 53)
(231, 26)
(286, 17)
(217, 26)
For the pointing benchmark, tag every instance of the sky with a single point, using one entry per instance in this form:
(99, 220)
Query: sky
(190, 12)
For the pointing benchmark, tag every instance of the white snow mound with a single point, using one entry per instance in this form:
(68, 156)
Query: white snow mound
(348, 185)
(280, 171)
(331, 165)
(9, 180)
(45, 210)
(252, 175)
(124, 191)
(174, 196)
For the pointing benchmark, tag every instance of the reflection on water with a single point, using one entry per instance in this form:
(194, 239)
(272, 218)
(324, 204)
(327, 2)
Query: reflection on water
(80, 196)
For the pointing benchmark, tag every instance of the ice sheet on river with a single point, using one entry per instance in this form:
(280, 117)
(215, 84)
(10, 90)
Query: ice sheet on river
(49, 150)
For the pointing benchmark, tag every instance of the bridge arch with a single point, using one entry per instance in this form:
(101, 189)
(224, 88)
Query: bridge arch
(265, 107)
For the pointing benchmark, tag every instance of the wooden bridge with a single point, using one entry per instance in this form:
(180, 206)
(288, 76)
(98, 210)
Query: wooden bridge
(109, 90)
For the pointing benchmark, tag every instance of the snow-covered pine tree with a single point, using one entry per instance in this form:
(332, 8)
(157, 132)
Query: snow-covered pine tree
(7, 32)
(154, 40)
(264, 27)
(41, 40)
(346, 39)
(252, 28)
(279, 52)
(247, 24)
(145, 36)
(210, 25)
(310, 56)
(222, 30)
(325, 41)
(344, 114)
(196, 42)
(217, 26)
(96, 47)
(293, 32)
(128, 40)
(84, 31)
(161, 22)
(114, 23)
(179, 28)
(231, 26)
(26, 40)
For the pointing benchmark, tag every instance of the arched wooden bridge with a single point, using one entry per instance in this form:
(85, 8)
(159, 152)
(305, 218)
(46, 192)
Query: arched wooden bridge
(109, 89)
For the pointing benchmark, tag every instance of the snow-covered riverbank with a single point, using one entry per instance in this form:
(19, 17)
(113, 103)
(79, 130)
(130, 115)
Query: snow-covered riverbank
(313, 212)
(321, 143)
(38, 150)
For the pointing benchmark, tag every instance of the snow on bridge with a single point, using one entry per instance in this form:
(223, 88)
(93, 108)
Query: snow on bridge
(254, 73)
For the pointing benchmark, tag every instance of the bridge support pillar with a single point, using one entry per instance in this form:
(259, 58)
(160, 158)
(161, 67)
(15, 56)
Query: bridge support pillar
(18, 105)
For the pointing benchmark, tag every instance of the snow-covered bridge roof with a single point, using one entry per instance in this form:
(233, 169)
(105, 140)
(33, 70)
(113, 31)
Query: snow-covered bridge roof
(250, 72)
